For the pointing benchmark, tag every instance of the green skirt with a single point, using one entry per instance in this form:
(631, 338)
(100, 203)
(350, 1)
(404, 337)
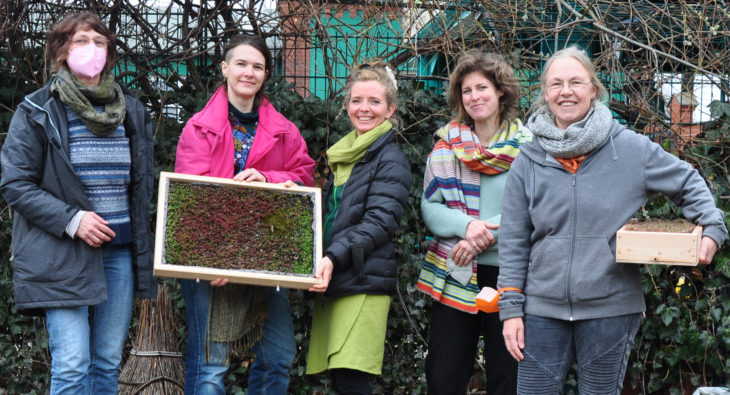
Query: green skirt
(348, 332)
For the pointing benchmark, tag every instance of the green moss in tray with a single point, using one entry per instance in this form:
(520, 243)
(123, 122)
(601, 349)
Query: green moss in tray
(239, 228)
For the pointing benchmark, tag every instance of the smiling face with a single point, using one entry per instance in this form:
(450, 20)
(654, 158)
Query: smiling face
(569, 91)
(368, 106)
(245, 71)
(480, 98)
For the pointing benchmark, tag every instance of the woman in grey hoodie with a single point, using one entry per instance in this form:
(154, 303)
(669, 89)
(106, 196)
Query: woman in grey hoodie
(568, 192)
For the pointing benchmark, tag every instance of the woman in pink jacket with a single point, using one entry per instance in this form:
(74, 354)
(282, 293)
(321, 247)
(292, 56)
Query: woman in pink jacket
(240, 135)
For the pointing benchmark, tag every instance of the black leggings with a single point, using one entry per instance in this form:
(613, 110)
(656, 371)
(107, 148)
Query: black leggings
(452, 347)
(350, 382)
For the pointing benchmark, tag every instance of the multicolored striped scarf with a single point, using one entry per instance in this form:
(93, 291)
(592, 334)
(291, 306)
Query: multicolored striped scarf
(453, 177)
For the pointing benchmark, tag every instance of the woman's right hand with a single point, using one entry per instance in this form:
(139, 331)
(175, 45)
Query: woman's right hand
(250, 174)
(94, 230)
(324, 273)
(219, 282)
(513, 331)
(478, 234)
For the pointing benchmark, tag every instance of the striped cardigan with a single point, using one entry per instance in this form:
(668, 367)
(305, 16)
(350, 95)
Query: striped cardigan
(453, 174)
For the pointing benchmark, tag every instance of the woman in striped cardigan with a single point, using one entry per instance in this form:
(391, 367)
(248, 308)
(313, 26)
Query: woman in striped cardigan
(461, 206)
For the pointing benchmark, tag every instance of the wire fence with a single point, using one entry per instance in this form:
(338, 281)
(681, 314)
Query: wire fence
(649, 54)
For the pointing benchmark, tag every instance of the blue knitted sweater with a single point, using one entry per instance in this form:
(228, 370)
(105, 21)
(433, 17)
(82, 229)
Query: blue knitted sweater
(103, 166)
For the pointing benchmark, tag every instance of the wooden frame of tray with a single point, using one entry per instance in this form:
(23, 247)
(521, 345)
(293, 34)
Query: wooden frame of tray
(253, 277)
(663, 248)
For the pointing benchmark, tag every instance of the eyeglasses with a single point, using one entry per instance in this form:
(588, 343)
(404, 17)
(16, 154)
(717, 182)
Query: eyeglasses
(573, 85)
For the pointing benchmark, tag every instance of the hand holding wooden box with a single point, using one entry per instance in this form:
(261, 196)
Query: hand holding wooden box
(664, 248)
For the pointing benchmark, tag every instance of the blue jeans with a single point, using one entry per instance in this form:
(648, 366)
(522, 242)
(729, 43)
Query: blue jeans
(601, 347)
(86, 341)
(275, 351)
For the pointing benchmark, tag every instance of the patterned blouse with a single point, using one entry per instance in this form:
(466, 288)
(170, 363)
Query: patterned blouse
(244, 131)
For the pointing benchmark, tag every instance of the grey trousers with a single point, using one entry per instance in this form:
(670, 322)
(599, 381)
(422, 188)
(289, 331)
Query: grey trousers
(599, 346)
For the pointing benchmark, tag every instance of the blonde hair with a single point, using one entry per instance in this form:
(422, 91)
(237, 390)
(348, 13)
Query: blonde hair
(581, 56)
(494, 68)
(374, 70)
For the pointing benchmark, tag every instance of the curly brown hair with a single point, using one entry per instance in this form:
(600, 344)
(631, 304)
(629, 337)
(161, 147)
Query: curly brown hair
(497, 71)
(59, 38)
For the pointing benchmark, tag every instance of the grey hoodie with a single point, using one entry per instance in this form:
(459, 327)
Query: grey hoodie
(558, 231)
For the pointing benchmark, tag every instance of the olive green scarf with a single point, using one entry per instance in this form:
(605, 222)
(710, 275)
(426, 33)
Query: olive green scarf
(82, 99)
(236, 315)
(343, 156)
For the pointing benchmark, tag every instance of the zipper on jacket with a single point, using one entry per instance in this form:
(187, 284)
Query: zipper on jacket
(574, 221)
(50, 120)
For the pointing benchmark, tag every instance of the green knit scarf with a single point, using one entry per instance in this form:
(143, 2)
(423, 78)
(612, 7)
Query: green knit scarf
(236, 315)
(82, 99)
(343, 156)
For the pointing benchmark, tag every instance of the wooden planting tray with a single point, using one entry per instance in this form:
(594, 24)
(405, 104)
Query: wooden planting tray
(248, 232)
(663, 248)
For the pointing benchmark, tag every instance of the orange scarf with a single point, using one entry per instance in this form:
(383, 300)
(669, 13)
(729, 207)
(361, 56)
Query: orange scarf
(572, 164)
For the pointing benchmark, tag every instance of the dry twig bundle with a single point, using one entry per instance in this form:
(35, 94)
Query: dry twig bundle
(155, 366)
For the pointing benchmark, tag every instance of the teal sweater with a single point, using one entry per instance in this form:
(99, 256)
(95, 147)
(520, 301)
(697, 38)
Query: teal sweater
(445, 222)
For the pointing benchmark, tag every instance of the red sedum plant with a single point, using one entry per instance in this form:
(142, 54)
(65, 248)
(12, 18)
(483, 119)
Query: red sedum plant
(227, 227)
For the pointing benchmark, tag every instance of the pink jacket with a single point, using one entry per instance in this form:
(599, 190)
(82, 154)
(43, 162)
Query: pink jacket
(206, 145)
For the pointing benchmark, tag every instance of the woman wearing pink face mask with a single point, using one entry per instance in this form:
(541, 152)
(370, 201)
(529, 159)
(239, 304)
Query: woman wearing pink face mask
(77, 169)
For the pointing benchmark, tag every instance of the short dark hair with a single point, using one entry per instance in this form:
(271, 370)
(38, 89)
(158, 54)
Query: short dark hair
(497, 71)
(258, 44)
(59, 38)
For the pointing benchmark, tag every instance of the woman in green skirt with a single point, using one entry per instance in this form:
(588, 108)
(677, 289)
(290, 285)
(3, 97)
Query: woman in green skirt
(364, 200)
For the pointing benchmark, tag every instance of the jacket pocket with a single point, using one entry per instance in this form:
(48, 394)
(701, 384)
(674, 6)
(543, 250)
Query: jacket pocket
(357, 252)
(547, 274)
(596, 275)
(42, 258)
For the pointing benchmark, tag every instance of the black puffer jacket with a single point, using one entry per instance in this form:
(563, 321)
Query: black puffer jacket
(372, 204)
(50, 269)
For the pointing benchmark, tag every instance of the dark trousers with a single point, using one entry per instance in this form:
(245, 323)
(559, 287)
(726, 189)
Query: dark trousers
(350, 382)
(452, 347)
(599, 346)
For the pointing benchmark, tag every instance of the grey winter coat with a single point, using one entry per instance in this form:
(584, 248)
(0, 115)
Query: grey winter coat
(558, 231)
(372, 203)
(50, 269)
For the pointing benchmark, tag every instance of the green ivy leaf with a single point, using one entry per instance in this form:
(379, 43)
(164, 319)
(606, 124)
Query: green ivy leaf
(717, 314)
(668, 314)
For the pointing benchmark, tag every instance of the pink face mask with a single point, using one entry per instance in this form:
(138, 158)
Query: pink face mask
(87, 60)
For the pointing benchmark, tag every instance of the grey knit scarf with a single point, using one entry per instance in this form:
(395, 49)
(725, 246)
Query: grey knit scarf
(82, 99)
(579, 138)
